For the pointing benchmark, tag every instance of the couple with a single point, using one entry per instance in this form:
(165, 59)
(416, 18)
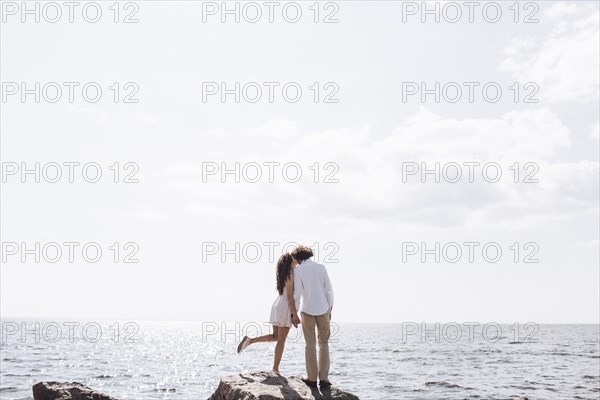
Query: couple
(299, 277)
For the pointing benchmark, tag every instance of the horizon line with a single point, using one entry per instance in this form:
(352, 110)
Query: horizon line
(50, 319)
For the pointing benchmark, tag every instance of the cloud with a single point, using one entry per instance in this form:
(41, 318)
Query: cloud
(152, 216)
(560, 10)
(275, 128)
(95, 113)
(564, 63)
(518, 135)
(370, 175)
(141, 211)
(146, 117)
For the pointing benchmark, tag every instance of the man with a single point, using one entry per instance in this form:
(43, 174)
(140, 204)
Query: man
(312, 284)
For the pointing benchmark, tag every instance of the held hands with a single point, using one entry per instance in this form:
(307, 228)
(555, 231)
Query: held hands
(295, 320)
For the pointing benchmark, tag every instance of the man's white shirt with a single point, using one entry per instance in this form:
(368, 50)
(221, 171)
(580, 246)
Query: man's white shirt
(311, 282)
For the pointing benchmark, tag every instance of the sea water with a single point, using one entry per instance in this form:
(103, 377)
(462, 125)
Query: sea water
(185, 360)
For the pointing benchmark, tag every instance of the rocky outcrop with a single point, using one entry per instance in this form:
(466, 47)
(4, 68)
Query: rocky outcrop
(250, 386)
(66, 391)
(270, 386)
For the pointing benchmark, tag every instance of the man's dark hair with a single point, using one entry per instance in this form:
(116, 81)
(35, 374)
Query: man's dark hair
(302, 253)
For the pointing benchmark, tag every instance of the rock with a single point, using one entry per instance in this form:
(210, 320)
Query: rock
(270, 386)
(250, 386)
(66, 391)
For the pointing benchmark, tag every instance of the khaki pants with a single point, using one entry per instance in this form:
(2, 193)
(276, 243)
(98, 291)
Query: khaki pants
(308, 330)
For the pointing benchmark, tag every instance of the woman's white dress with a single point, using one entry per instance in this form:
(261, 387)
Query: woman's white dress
(281, 315)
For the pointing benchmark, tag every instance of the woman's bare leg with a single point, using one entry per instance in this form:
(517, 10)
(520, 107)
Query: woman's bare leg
(281, 337)
(266, 338)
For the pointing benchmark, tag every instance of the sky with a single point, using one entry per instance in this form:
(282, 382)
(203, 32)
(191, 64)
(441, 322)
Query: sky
(336, 134)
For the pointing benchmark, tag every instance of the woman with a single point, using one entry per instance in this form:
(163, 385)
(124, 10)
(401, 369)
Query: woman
(281, 312)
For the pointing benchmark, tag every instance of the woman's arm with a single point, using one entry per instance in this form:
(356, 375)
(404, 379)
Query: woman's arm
(289, 285)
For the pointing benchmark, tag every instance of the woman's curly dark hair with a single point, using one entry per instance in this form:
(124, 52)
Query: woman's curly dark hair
(284, 270)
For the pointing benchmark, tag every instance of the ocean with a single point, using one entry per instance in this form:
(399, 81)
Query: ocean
(185, 360)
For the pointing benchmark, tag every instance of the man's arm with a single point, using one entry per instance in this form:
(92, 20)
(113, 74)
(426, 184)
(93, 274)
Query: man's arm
(295, 300)
(328, 288)
(297, 285)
